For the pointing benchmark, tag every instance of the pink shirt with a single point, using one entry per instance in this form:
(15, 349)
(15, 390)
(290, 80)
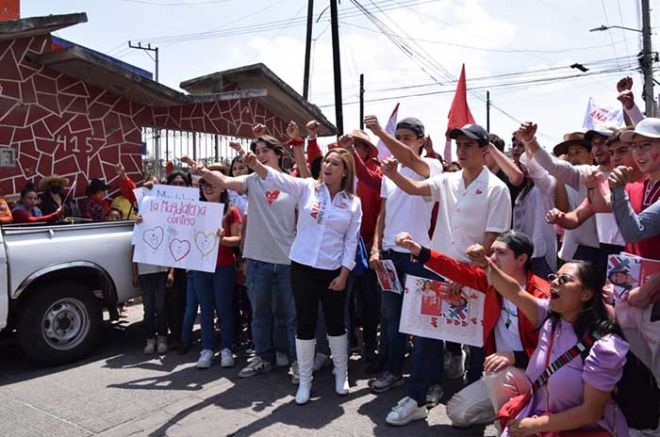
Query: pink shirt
(602, 369)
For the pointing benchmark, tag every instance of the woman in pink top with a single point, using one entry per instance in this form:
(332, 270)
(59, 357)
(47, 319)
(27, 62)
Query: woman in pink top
(577, 396)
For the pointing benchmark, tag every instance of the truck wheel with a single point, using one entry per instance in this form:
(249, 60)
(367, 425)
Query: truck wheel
(60, 323)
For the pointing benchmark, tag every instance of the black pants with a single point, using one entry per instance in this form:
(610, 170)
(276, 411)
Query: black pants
(175, 301)
(367, 308)
(310, 286)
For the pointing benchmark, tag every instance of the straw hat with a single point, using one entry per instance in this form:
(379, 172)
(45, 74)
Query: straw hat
(52, 180)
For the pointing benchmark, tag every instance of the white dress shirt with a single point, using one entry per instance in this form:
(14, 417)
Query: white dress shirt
(328, 229)
(467, 213)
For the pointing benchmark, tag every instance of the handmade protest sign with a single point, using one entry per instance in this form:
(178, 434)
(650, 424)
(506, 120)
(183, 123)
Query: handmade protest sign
(164, 191)
(178, 233)
(430, 311)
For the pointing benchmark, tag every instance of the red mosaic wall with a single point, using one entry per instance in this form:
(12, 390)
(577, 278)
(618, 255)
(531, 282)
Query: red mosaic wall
(61, 125)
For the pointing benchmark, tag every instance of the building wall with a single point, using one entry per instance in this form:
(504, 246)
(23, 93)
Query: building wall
(62, 125)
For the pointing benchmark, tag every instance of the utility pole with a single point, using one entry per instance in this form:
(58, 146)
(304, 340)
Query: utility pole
(147, 49)
(308, 48)
(158, 167)
(334, 24)
(361, 101)
(646, 61)
(488, 111)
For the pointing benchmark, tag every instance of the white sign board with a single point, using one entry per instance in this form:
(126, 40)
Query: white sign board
(430, 311)
(178, 233)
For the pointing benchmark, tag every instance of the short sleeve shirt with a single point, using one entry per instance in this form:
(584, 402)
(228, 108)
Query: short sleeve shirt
(404, 212)
(467, 213)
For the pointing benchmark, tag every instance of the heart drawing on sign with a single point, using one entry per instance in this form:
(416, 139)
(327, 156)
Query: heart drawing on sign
(272, 196)
(153, 237)
(179, 249)
(205, 243)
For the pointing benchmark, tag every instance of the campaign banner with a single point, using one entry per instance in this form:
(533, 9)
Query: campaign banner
(602, 116)
(178, 233)
(429, 310)
(387, 278)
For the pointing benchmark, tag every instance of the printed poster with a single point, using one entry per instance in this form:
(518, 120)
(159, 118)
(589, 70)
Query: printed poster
(430, 311)
(178, 233)
(388, 279)
(626, 271)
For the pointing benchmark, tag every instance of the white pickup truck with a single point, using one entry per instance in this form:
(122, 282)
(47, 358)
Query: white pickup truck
(55, 281)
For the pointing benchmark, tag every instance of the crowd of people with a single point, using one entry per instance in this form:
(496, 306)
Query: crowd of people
(305, 235)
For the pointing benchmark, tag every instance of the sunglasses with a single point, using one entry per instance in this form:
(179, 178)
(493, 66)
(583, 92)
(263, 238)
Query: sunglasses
(562, 279)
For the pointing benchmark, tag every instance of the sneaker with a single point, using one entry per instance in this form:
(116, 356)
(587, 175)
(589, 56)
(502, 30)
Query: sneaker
(256, 366)
(226, 358)
(150, 347)
(281, 359)
(295, 376)
(433, 395)
(406, 411)
(454, 365)
(321, 361)
(249, 351)
(161, 345)
(385, 382)
(205, 358)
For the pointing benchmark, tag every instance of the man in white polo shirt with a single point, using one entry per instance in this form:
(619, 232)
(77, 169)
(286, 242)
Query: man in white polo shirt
(475, 205)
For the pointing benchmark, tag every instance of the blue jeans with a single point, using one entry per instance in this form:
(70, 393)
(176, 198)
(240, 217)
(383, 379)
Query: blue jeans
(273, 309)
(216, 291)
(191, 311)
(427, 358)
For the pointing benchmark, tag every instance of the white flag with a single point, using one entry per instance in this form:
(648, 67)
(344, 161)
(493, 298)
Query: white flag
(383, 151)
(602, 117)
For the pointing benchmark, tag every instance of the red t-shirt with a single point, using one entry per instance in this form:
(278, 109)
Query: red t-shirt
(227, 255)
(642, 195)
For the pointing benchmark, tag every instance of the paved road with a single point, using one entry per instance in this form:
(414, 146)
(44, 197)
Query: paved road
(120, 392)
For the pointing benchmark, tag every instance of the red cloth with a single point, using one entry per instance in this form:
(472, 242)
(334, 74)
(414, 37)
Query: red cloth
(22, 216)
(475, 277)
(313, 151)
(650, 247)
(227, 255)
(459, 112)
(369, 194)
(126, 187)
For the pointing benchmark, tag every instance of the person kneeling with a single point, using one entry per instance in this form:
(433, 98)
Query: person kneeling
(509, 337)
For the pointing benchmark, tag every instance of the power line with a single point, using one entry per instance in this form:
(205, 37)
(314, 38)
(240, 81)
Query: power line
(179, 3)
(300, 20)
(491, 86)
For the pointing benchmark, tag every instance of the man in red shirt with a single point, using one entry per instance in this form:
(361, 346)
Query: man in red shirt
(509, 337)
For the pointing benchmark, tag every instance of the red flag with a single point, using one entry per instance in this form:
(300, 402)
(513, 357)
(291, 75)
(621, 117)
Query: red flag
(459, 113)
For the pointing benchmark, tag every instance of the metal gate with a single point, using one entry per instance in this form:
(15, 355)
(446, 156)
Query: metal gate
(162, 146)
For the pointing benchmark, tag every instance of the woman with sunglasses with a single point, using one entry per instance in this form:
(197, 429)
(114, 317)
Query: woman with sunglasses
(577, 395)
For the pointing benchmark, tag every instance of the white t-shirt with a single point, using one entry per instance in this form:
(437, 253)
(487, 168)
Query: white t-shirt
(467, 213)
(404, 212)
(507, 334)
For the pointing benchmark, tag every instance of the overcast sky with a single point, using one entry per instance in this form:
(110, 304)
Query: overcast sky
(508, 46)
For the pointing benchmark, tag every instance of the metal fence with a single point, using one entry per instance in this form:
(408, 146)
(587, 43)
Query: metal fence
(166, 145)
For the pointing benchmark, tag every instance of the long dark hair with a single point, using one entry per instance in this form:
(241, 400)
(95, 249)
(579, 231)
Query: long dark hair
(231, 166)
(594, 315)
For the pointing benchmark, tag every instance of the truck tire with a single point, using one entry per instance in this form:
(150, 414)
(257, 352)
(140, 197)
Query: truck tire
(60, 323)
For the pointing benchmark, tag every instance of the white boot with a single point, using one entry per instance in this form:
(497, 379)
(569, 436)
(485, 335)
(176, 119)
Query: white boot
(305, 353)
(339, 351)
